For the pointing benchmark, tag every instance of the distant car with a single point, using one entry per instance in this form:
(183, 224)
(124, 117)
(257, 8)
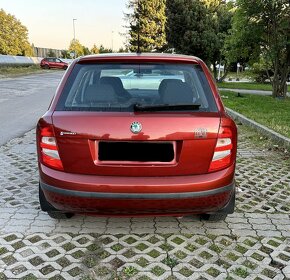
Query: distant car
(53, 62)
(137, 134)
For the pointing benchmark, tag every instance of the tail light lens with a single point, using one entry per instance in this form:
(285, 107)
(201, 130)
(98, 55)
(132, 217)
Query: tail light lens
(225, 150)
(48, 148)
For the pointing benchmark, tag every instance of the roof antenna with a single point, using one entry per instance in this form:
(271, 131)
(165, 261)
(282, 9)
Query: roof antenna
(138, 35)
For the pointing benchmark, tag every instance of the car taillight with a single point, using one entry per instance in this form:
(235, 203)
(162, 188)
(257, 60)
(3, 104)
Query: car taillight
(48, 148)
(224, 151)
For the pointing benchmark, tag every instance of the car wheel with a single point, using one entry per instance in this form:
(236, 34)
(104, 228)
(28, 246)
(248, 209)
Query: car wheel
(64, 67)
(46, 66)
(59, 215)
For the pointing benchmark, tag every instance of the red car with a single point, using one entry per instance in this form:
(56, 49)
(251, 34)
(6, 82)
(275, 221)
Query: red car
(53, 62)
(137, 134)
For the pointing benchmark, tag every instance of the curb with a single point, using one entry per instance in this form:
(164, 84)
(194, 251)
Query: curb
(281, 139)
(251, 91)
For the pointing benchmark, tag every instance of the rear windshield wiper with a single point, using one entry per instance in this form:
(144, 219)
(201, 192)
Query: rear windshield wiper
(166, 107)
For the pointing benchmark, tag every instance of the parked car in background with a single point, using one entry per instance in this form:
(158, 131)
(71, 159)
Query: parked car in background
(53, 62)
(137, 134)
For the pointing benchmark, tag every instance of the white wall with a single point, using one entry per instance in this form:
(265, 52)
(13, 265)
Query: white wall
(10, 59)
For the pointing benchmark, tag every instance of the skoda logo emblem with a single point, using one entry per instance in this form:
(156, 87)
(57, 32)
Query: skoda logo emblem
(136, 127)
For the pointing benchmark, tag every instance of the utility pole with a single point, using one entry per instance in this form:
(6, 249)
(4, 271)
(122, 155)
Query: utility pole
(74, 19)
(138, 18)
(112, 41)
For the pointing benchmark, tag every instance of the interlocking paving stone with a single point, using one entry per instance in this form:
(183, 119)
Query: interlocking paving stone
(252, 243)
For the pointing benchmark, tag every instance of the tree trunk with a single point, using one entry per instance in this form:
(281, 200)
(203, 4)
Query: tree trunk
(281, 72)
(280, 86)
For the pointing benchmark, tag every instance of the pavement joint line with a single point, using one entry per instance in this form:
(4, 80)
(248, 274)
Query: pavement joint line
(264, 192)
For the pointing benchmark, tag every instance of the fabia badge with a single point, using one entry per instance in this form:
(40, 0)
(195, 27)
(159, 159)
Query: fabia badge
(200, 133)
(136, 127)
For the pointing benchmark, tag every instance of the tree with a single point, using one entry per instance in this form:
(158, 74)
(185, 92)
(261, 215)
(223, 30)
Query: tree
(95, 49)
(190, 29)
(102, 49)
(13, 36)
(86, 50)
(148, 20)
(221, 14)
(196, 27)
(261, 31)
(123, 50)
(28, 50)
(76, 47)
(65, 54)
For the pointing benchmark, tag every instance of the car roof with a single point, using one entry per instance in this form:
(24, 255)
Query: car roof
(139, 57)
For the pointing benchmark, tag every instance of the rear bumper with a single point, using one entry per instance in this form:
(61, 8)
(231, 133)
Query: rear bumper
(112, 195)
(107, 195)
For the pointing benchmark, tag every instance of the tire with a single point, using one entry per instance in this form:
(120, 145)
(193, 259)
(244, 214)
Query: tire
(223, 213)
(51, 211)
(59, 215)
(46, 66)
(64, 67)
(214, 217)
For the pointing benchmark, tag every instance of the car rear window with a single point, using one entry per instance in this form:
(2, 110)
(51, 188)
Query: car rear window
(119, 87)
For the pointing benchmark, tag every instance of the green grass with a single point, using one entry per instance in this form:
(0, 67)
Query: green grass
(250, 85)
(266, 110)
(12, 71)
(243, 85)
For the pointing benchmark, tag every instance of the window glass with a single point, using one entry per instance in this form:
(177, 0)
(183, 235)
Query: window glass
(120, 87)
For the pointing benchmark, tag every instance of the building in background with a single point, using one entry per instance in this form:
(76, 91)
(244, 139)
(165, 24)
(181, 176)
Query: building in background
(47, 52)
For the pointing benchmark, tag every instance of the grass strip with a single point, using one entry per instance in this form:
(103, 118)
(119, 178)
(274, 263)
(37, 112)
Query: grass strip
(13, 71)
(250, 86)
(273, 113)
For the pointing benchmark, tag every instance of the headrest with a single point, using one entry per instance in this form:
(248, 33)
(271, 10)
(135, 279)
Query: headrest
(176, 92)
(100, 93)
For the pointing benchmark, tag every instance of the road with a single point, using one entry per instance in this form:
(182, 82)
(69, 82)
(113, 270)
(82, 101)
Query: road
(23, 100)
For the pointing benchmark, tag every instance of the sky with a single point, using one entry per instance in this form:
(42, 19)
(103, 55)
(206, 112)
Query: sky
(50, 22)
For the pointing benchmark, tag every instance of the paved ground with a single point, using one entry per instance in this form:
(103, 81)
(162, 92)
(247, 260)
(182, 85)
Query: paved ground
(253, 243)
(23, 100)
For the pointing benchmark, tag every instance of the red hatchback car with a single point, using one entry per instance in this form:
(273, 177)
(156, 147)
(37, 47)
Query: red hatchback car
(137, 134)
(53, 62)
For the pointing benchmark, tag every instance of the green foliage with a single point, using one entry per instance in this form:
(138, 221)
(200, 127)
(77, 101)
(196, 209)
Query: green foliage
(123, 50)
(130, 271)
(86, 50)
(148, 18)
(261, 70)
(198, 28)
(13, 36)
(102, 49)
(261, 28)
(28, 50)
(189, 29)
